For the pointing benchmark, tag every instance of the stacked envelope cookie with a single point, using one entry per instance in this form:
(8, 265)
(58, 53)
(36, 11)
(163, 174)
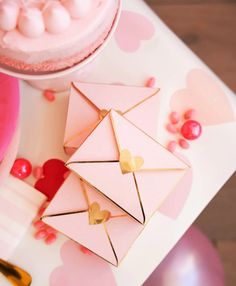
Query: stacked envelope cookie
(120, 174)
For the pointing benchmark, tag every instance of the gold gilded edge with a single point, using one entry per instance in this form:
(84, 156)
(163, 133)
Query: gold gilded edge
(85, 97)
(142, 101)
(111, 244)
(139, 197)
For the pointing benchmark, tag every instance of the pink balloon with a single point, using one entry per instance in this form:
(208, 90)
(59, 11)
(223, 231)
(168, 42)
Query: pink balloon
(192, 262)
(9, 110)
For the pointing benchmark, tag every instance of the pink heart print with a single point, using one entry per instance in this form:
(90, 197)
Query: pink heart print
(81, 268)
(174, 204)
(205, 95)
(133, 28)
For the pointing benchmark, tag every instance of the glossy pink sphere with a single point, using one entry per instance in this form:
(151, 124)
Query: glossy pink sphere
(191, 130)
(21, 168)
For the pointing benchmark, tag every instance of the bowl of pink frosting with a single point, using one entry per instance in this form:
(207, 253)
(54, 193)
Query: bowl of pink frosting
(33, 28)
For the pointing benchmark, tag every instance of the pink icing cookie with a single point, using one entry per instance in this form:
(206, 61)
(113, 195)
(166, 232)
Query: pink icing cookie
(9, 110)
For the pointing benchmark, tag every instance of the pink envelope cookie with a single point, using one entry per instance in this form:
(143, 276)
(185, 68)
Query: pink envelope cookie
(89, 103)
(128, 166)
(87, 217)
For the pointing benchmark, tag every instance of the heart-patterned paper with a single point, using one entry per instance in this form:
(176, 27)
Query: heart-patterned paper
(133, 29)
(205, 95)
(82, 269)
(174, 204)
(96, 215)
(129, 163)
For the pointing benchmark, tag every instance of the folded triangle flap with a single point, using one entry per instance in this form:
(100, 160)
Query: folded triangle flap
(77, 227)
(77, 126)
(108, 180)
(118, 97)
(123, 232)
(142, 148)
(69, 198)
(101, 145)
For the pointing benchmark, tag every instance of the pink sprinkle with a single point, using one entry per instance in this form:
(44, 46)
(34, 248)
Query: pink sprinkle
(51, 238)
(84, 249)
(151, 82)
(171, 128)
(189, 114)
(49, 95)
(183, 144)
(40, 234)
(51, 230)
(38, 224)
(38, 173)
(174, 117)
(66, 174)
(172, 146)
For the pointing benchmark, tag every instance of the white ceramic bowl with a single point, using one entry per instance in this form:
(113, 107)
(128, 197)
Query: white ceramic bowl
(61, 80)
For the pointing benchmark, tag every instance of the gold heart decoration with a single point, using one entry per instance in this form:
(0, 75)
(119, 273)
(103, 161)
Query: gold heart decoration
(96, 216)
(129, 163)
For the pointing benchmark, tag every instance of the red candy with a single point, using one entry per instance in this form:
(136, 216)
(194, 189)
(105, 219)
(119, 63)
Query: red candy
(49, 95)
(21, 168)
(151, 82)
(191, 130)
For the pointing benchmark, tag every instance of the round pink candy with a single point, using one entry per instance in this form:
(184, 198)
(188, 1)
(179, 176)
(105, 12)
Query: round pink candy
(49, 95)
(191, 130)
(38, 172)
(151, 82)
(189, 114)
(38, 224)
(174, 117)
(172, 146)
(51, 238)
(171, 128)
(40, 234)
(183, 144)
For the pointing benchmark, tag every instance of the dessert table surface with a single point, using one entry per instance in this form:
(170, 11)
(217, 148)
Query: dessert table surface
(146, 48)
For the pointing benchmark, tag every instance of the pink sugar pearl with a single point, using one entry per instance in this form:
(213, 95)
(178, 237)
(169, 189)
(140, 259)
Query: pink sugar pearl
(38, 224)
(40, 234)
(38, 172)
(191, 130)
(174, 117)
(183, 144)
(172, 146)
(189, 114)
(84, 249)
(51, 238)
(151, 82)
(49, 95)
(171, 128)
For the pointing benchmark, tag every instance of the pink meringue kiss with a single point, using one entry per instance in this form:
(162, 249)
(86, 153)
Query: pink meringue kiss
(56, 18)
(77, 8)
(31, 23)
(9, 12)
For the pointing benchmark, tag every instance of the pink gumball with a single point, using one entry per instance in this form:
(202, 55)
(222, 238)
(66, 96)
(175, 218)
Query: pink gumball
(192, 262)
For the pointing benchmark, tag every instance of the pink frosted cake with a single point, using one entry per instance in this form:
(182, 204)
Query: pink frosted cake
(43, 36)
